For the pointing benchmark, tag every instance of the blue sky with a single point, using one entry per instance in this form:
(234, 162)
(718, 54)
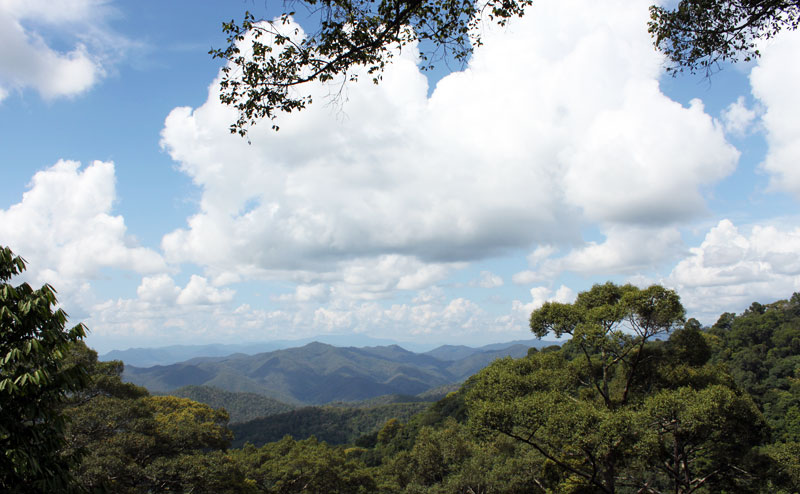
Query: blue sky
(438, 208)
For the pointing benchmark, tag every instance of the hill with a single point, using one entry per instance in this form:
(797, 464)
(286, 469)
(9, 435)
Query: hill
(318, 373)
(241, 407)
(334, 425)
(173, 354)
(458, 352)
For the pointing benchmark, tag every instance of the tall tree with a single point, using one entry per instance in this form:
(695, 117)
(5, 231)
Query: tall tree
(614, 410)
(611, 325)
(35, 380)
(139, 443)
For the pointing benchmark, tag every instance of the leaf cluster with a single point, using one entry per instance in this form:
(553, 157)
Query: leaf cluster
(35, 380)
(267, 59)
(700, 34)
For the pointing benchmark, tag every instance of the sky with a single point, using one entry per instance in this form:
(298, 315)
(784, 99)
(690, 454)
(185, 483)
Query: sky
(435, 207)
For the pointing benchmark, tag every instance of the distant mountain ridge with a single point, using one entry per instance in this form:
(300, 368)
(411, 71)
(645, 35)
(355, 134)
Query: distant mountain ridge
(173, 354)
(319, 373)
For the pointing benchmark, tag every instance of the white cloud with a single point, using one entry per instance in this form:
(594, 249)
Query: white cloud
(158, 289)
(124, 323)
(737, 118)
(643, 162)
(378, 277)
(540, 295)
(429, 295)
(442, 318)
(28, 60)
(527, 277)
(557, 126)
(306, 293)
(199, 292)
(774, 83)
(64, 227)
(730, 269)
(488, 280)
(540, 253)
(557, 121)
(626, 250)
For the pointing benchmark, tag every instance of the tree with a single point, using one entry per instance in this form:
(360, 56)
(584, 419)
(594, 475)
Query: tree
(140, 443)
(615, 409)
(307, 466)
(699, 34)
(611, 325)
(268, 60)
(35, 380)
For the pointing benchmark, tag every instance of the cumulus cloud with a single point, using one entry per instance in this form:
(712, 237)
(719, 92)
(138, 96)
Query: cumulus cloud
(737, 118)
(626, 250)
(556, 122)
(199, 292)
(488, 280)
(540, 295)
(379, 277)
(151, 315)
(732, 268)
(27, 59)
(773, 82)
(159, 289)
(306, 293)
(64, 227)
(122, 323)
(556, 126)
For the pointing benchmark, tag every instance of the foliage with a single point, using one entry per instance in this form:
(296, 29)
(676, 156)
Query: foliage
(611, 410)
(306, 466)
(267, 60)
(698, 438)
(260, 76)
(611, 325)
(616, 409)
(35, 379)
(761, 347)
(699, 34)
(242, 407)
(137, 443)
(449, 458)
(334, 425)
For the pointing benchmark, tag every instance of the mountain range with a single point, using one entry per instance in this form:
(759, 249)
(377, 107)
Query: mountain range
(148, 357)
(319, 373)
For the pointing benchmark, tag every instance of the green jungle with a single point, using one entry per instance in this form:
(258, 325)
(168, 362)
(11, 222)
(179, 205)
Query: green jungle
(637, 400)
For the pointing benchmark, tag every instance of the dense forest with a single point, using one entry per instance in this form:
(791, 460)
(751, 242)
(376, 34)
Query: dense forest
(638, 400)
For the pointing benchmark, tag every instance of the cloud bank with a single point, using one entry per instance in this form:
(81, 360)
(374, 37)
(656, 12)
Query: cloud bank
(557, 123)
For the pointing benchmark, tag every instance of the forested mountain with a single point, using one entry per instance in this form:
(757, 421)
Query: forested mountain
(334, 425)
(459, 352)
(241, 407)
(173, 354)
(318, 373)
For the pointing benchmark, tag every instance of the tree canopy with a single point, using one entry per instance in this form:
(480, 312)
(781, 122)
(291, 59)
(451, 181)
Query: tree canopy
(35, 380)
(613, 410)
(699, 34)
(269, 60)
(636, 401)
